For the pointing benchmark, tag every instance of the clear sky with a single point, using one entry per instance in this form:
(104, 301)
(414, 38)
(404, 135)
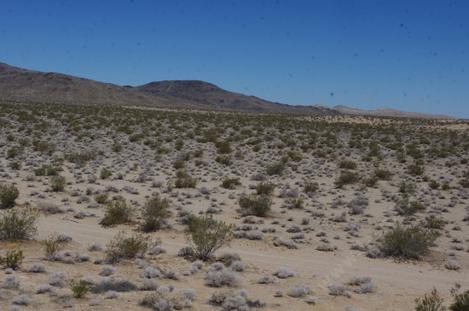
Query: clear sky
(405, 54)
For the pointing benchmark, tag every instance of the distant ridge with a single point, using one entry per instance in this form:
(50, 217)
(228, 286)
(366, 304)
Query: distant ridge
(387, 112)
(30, 86)
(23, 85)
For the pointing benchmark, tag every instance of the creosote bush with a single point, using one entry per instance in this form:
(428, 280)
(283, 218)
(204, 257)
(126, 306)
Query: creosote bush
(346, 177)
(430, 302)
(8, 195)
(124, 246)
(57, 183)
(117, 212)
(79, 288)
(12, 259)
(407, 242)
(206, 235)
(230, 183)
(52, 245)
(275, 168)
(155, 213)
(265, 188)
(18, 224)
(184, 180)
(257, 205)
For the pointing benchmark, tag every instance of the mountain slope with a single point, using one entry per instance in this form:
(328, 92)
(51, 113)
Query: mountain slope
(22, 85)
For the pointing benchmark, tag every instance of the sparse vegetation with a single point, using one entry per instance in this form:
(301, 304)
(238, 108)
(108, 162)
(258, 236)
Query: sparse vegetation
(407, 242)
(18, 224)
(207, 235)
(117, 212)
(155, 214)
(8, 195)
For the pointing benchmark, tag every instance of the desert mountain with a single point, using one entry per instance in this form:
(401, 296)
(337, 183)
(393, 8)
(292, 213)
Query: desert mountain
(23, 85)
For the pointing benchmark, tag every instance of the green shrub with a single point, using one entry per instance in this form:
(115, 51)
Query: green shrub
(407, 187)
(257, 205)
(8, 195)
(46, 170)
(223, 147)
(415, 169)
(105, 173)
(12, 153)
(434, 184)
(461, 300)
(117, 212)
(311, 187)
(275, 168)
(223, 159)
(346, 177)
(430, 302)
(207, 235)
(79, 288)
(18, 224)
(295, 203)
(101, 198)
(15, 165)
(408, 208)
(266, 188)
(407, 242)
(383, 174)
(154, 214)
(347, 164)
(57, 183)
(124, 246)
(52, 245)
(230, 183)
(434, 222)
(178, 164)
(12, 259)
(184, 180)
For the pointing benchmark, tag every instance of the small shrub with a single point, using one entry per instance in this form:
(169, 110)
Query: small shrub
(57, 183)
(8, 195)
(52, 245)
(223, 159)
(430, 302)
(407, 242)
(105, 173)
(18, 224)
(383, 174)
(223, 147)
(346, 177)
(295, 203)
(12, 259)
(311, 187)
(265, 188)
(461, 300)
(101, 198)
(154, 214)
(347, 164)
(117, 212)
(257, 205)
(408, 208)
(46, 170)
(407, 187)
(79, 288)
(207, 235)
(124, 246)
(184, 180)
(434, 222)
(415, 169)
(230, 183)
(275, 168)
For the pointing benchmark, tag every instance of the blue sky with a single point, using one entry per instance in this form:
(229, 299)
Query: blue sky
(410, 55)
